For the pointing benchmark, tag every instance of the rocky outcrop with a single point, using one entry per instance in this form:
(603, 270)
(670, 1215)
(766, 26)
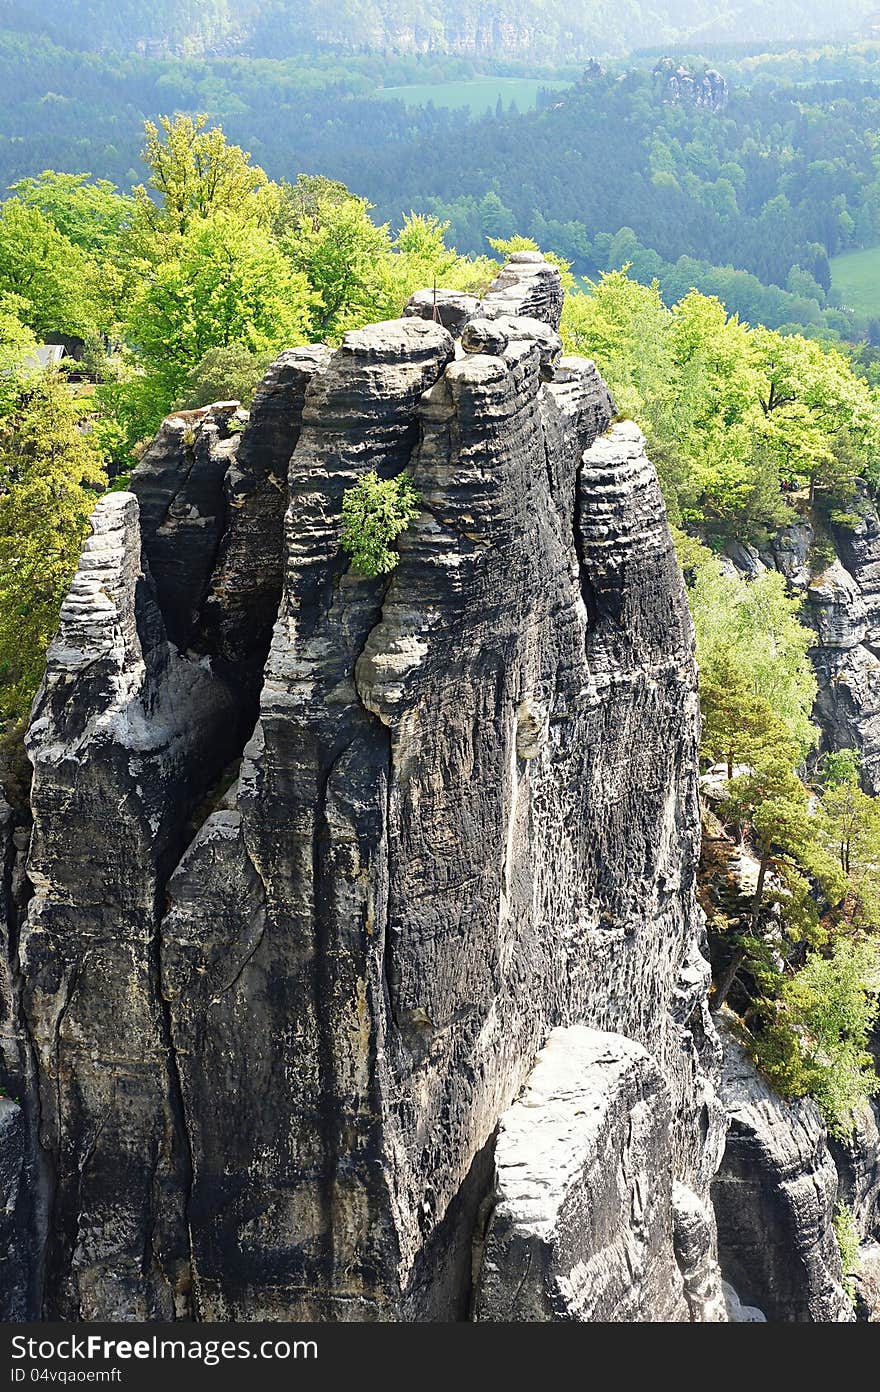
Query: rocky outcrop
(681, 84)
(866, 1283)
(248, 568)
(836, 608)
(696, 1251)
(857, 1158)
(774, 1199)
(342, 882)
(151, 690)
(583, 1209)
(451, 308)
(527, 286)
(842, 604)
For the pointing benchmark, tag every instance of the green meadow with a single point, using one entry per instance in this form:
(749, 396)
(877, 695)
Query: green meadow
(478, 93)
(857, 276)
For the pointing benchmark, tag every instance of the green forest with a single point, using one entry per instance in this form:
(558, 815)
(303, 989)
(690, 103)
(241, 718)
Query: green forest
(751, 202)
(543, 27)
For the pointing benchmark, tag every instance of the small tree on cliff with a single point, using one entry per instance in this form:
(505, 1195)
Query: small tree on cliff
(815, 1035)
(374, 513)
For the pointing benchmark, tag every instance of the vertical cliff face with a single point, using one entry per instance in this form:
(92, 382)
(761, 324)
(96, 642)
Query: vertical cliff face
(320, 861)
(774, 1199)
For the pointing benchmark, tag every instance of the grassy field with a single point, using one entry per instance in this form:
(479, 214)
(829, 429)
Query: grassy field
(857, 276)
(478, 94)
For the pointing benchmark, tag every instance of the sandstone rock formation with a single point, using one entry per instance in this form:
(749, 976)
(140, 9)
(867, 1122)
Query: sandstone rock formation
(681, 84)
(319, 861)
(842, 603)
(586, 1220)
(774, 1198)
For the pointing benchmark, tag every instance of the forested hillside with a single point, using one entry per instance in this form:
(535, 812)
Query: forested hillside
(749, 201)
(537, 28)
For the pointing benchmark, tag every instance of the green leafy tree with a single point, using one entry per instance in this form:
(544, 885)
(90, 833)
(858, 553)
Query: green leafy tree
(374, 513)
(421, 258)
(231, 373)
(847, 1235)
(815, 1036)
(849, 825)
(17, 347)
(752, 653)
(196, 174)
(227, 286)
(50, 470)
(90, 214)
(819, 418)
(344, 258)
(53, 282)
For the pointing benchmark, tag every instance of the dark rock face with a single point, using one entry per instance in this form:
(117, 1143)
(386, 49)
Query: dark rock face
(857, 1158)
(179, 488)
(451, 308)
(114, 771)
(306, 910)
(774, 1200)
(245, 587)
(528, 286)
(14, 1274)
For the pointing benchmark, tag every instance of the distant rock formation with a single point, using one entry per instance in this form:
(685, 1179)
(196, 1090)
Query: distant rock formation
(707, 88)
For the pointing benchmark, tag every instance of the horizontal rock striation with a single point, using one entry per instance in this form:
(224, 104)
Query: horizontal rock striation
(320, 861)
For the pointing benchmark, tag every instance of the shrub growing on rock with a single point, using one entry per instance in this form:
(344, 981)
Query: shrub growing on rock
(374, 513)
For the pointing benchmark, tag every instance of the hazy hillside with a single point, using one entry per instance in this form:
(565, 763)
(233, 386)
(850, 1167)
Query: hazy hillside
(561, 28)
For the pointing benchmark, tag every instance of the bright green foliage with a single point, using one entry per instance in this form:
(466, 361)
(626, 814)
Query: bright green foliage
(752, 654)
(374, 513)
(817, 859)
(49, 471)
(196, 173)
(821, 422)
(231, 373)
(226, 285)
(91, 215)
(344, 258)
(728, 411)
(840, 766)
(847, 1235)
(54, 283)
(17, 344)
(814, 1040)
(422, 257)
(849, 827)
